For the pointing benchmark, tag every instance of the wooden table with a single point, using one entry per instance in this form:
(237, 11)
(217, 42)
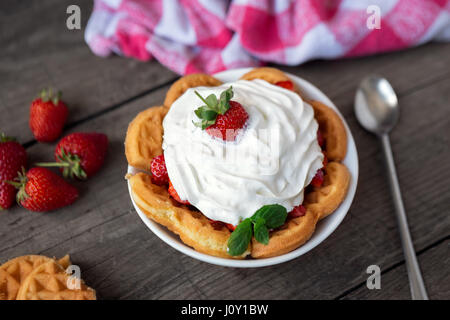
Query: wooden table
(122, 259)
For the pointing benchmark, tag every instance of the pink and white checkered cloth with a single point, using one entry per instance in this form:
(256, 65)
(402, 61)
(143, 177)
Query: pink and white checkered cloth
(208, 36)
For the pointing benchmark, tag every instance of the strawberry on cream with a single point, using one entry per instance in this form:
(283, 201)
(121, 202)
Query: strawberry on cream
(271, 161)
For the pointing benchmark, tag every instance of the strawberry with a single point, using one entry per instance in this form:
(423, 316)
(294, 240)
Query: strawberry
(216, 224)
(286, 84)
(159, 170)
(12, 158)
(43, 190)
(48, 114)
(80, 154)
(325, 159)
(175, 195)
(318, 178)
(298, 211)
(320, 139)
(228, 125)
(230, 226)
(221, 117)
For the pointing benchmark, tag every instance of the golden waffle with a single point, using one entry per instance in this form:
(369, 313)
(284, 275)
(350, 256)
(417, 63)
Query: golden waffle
(270, 75)
(326, 198)
(189, 81)
(48, 281)
(332, 129)
(290, 236)
(144, 137)
(193, 227)
(14, 272)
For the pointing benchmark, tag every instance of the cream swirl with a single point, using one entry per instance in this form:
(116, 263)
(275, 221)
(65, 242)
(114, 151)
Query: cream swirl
(272, 160)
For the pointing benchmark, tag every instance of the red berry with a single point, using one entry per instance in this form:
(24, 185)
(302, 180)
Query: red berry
(48, 114)
(43, 190)
(13, 158)
(175, 195)
(219, 224)
(320, 139)
(318, 179)
(325, 159)
(286, 84)
(230, 226)
(216, 224)
(229, 124)
(159, 171)
(79, 154)
(298, 211)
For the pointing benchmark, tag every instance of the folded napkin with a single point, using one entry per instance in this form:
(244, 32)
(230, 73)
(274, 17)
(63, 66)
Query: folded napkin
(208, 36)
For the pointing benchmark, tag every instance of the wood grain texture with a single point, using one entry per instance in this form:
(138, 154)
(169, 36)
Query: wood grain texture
(122, 259)
(38, 51)
(394, 283)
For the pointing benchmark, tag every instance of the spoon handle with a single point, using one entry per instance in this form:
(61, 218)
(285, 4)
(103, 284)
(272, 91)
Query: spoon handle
(417, 286)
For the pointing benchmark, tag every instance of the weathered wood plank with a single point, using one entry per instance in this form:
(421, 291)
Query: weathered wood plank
(407, 71)
(435, 264)
(122, 259)
(37, 50)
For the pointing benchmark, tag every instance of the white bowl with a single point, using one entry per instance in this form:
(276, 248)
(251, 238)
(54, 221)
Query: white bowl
(323, 229)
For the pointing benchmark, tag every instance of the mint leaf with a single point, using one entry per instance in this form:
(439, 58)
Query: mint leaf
(270, 216)
(273, 214)
(261, 231)
(240, 238)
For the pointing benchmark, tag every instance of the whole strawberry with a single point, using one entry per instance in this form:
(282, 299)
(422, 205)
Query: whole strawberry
(43, 190)
(228, 125)
(221, 117)
(159, 170)
(48, 114)
(12, 158)
(80, 154)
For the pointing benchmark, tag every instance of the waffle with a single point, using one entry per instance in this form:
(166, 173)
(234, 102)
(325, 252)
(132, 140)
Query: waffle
(193, 227)
(48, 281)
(325, 199)
(186, 82)
(270, 75)
(14, 272)
(332, 129)
(290, 236)
(144, 137)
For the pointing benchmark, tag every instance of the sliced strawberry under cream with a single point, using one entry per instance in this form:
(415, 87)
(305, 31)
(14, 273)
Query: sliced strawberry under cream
(271, 162)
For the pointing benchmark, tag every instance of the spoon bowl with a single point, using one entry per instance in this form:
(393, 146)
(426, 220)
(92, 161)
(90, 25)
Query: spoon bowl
(376, 105)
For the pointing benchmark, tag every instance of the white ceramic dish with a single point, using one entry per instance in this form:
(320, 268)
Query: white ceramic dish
(323, 229)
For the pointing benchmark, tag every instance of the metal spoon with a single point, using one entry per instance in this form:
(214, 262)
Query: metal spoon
(377, 110)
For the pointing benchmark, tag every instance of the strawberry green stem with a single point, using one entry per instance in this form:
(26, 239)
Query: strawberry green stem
(53, 164)
(47, 95)
(70, 163)
(5, 138)
(198, 95)
(20, 183)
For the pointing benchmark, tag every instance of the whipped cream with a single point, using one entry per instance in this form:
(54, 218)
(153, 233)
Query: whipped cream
(271, 162)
